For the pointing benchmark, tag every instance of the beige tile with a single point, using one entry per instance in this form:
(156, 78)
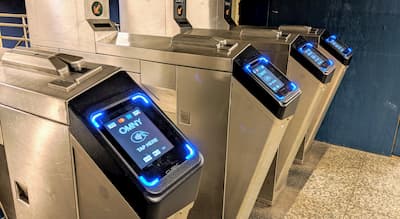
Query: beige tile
(382, 164)
(382, 174)
(310, 208)
(338, 158)
(354, 212)
(376, 201)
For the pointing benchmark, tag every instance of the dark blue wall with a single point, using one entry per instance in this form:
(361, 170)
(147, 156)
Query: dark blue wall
(114, 10)
(365, 110)
(15, 7)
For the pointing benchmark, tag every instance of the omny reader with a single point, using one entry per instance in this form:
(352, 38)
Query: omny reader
(150, 162)
(334, 48)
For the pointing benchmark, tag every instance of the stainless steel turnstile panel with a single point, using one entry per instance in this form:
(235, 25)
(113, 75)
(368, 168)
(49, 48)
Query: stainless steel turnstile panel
(254, 137)
(308, 105)
(97, 196)
(325, 103)
(39, 160)
(203, 116)
(6, 197)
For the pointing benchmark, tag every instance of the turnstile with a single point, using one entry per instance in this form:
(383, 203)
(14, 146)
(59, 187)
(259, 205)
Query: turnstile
(331, 46)
(60, 167)
(303, 63)
(192, 80)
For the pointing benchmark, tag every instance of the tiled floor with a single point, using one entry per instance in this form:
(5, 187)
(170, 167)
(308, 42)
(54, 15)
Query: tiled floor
(342, 183)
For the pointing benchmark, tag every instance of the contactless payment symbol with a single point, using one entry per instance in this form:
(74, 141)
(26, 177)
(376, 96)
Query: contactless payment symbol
(139, 136)
(97, 8)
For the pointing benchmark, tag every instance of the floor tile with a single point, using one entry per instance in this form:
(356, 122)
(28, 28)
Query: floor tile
(376, 201)
(337, 158)
(382, 174)
(354, 212)
(310, 208)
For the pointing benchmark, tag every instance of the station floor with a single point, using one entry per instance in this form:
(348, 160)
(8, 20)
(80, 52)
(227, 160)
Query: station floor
(338, 182)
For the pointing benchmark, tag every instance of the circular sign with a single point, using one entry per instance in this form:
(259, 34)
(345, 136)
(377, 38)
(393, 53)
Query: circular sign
(97, 8)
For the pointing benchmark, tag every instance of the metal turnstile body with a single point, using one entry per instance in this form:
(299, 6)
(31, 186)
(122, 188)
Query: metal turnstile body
(335, 50)
(192, 81)
(281, 48)
(46, 166)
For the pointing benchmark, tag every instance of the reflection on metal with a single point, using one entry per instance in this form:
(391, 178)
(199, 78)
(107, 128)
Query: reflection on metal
(39, 157)
(24, 38)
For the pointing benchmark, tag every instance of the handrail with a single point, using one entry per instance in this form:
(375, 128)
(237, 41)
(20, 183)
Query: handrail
(12, 15)
(22, 25)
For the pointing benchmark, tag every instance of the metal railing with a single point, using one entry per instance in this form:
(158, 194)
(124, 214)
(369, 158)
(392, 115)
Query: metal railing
(23, 25)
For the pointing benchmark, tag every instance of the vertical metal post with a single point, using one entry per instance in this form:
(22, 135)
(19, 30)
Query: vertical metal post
(25, 32)
(1, 40)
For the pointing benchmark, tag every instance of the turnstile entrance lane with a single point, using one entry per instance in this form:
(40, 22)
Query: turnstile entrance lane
(38, 87)
(303, 63)
(263, 101)
(176, 70)
(331, 46)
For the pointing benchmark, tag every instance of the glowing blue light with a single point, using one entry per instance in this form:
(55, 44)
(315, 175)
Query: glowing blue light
(305, 46)
(330, 62)
(191, 153)
(140, 96)
(293, 86)
(263, 59)
(94, 117)
(151, 183)
(247, 68)
(348, 50)
(331, 38)
(280, 97)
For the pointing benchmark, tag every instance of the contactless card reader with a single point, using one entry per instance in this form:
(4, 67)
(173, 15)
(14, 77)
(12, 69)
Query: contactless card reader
(331, 46)
(336, 47)
(150, 162)
(262, 103)
(268, 84)
(314, 61)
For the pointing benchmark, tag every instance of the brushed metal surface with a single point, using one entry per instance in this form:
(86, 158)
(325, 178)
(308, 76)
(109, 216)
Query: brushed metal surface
(30, 91)
(1, 135)
(39, 159)
(68, 29)
(6, 197)
(159, 49)
(128, 64)
(137, 17)
(307, 107)
(97, 196)
(253, 140)
(74, 34)
(158, 75)
(325, 103)
(205, 95)
(275, 47)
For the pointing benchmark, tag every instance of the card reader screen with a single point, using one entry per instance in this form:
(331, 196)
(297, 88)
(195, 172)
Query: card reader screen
(264, 74)
(317, 58)
(139, 137)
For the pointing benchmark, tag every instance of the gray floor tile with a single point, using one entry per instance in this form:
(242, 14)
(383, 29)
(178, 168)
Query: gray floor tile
(355, 212)
(337, 182)
(305, 207)
(376, 201)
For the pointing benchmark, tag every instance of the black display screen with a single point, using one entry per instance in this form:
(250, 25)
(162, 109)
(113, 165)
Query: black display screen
(139, 137)
(317, 58)
(338, 46)
(313, 55)
(264, 74)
